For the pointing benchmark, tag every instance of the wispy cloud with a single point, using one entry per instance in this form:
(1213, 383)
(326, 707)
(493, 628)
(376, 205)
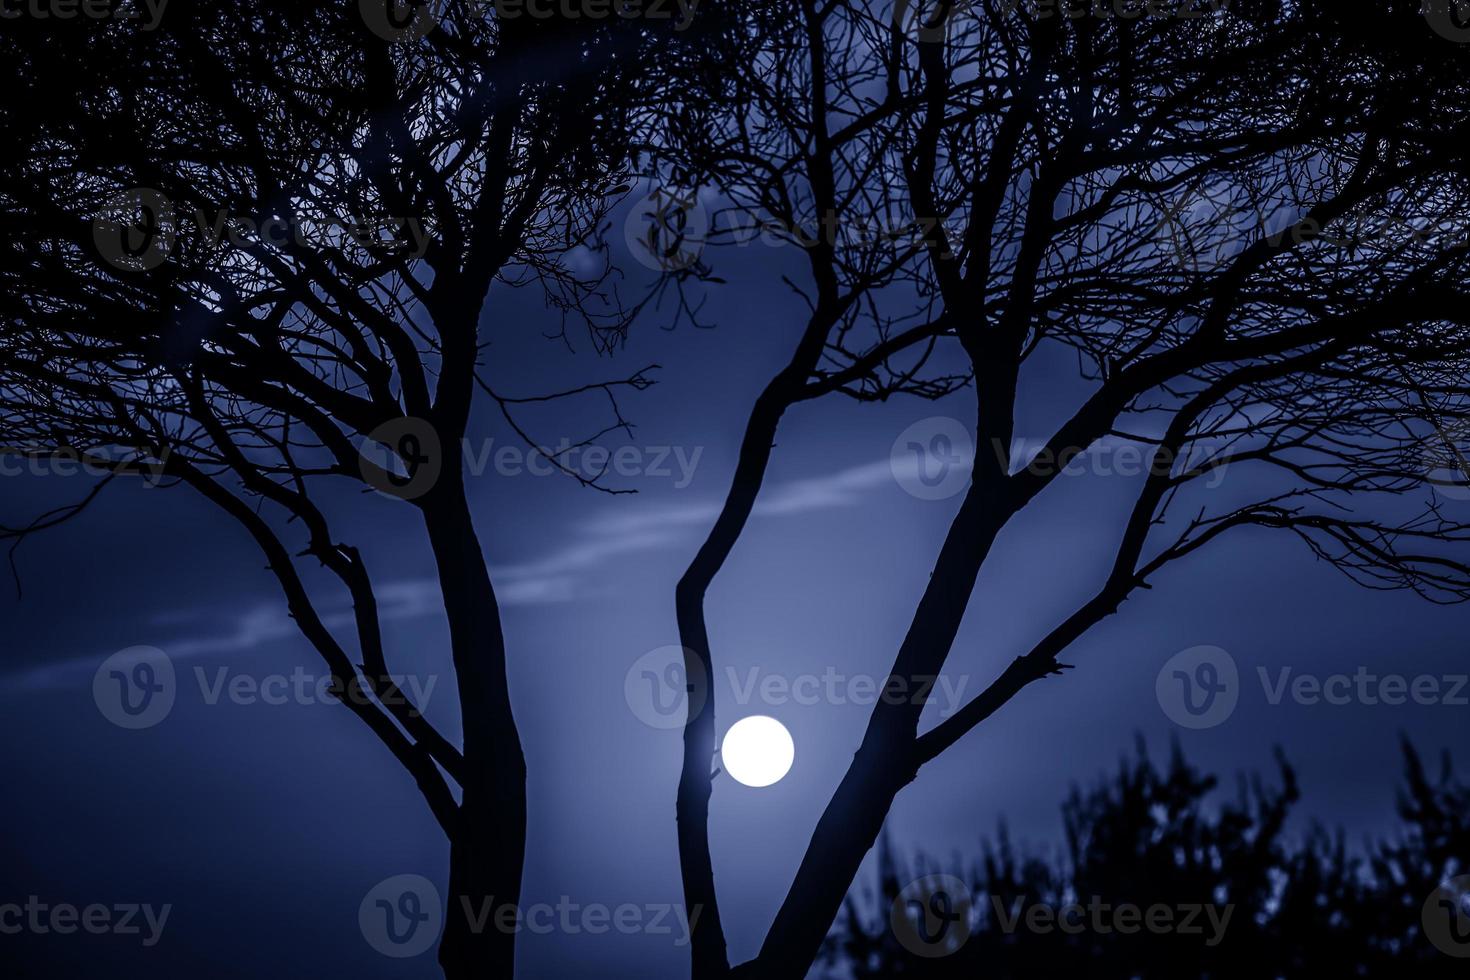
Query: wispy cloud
(841, 489)
(573, 571)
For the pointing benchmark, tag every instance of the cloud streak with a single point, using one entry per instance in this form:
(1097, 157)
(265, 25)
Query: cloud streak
(572, 572)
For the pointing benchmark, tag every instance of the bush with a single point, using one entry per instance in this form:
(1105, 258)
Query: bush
(1148, 837)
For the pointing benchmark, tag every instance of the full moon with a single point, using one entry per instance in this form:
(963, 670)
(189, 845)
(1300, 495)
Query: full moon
(758, 751)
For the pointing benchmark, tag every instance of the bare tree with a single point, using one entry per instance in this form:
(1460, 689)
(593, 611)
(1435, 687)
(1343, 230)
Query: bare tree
(1247, 225)
(787, 178)
(249, 245)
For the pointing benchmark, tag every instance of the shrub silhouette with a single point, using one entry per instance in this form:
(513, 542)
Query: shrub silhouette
(1149, 836)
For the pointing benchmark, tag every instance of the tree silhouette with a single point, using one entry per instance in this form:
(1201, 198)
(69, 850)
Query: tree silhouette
(1246, 227)
(1145, 837)
(250, 250)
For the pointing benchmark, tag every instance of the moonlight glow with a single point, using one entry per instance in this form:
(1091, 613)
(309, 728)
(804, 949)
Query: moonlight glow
(758, 751)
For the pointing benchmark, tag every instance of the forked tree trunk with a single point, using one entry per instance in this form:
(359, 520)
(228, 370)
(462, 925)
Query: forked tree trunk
(707, 946)
(887, 759)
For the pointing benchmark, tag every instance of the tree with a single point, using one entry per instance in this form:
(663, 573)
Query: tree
(1148, 837)
(1244, 224)
(246, 242)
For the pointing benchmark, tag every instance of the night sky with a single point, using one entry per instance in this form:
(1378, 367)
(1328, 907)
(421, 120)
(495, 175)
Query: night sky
(264, 826)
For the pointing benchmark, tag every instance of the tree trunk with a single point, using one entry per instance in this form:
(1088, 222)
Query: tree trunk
(710, 959)
(487, 849)
(849, 827)
(887, 759)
